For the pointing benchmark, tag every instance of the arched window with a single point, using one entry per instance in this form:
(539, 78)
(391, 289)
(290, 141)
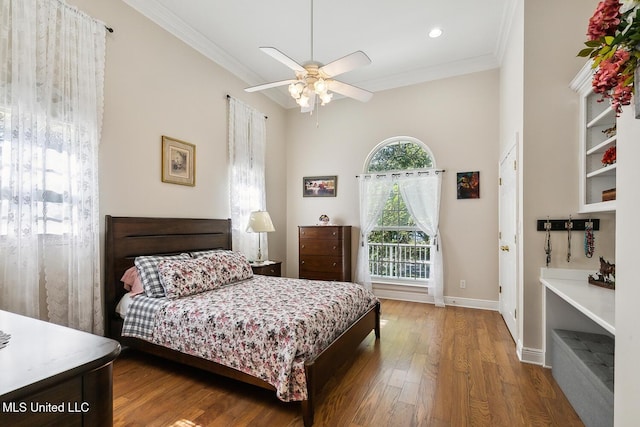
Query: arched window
(399, 252)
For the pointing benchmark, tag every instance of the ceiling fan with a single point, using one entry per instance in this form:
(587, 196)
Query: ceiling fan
(314, 82)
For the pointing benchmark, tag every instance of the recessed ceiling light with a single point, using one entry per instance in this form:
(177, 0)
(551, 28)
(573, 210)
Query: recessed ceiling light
(435, 32)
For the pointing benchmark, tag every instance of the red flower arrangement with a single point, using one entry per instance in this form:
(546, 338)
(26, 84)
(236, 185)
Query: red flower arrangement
(613, 36)
(609, 156)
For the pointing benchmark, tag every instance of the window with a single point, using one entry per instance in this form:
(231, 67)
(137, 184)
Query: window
(52, 197)
(398, 250)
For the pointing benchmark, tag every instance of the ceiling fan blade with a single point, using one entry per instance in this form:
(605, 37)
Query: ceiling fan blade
(279, 56)
(269, 85)
(346, 63)
(350, 90)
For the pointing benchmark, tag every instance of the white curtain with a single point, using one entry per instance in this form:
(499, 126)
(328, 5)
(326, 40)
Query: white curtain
(51, 101)
(421, 194)
(374, 192)
(247, 141)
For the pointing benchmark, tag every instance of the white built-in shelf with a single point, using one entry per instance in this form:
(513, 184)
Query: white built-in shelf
(607, 116)
(610, 169)
(596, 120)
(608, 206)
(597, 303)
(603, 146)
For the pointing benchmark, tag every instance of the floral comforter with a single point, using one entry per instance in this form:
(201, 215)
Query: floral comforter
(265, 326)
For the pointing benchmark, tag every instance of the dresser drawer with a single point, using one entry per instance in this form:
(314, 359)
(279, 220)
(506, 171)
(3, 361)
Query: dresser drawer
(322, 232)
(274, 269)
(337, 276)
(320, 247)
(321, 263)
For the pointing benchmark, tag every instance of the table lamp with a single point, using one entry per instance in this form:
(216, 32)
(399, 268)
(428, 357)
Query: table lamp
(260, 222)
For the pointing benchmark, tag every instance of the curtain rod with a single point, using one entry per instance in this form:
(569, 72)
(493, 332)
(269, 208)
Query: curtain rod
(109, 29)
(398, 174)
(229, 97)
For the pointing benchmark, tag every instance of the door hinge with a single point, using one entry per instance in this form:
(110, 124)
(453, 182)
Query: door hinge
(499, 234)
(515, 313)
(499, 181)
(515, 165)
(500, 291)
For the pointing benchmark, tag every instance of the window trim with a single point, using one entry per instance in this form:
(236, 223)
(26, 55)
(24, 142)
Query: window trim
(393, 140)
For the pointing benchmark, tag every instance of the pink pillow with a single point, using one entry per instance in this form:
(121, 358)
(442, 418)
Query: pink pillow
(132, 282)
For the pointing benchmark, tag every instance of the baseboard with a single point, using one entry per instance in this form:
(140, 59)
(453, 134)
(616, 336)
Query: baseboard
(535, 356)
(392, 292)
(480, 304)
(401, 295)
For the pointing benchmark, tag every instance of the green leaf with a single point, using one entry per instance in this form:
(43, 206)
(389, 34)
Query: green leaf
(608, 39)
(585, 52)
(593, 43)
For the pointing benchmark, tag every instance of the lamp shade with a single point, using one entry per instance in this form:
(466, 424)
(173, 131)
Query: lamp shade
(260, 222)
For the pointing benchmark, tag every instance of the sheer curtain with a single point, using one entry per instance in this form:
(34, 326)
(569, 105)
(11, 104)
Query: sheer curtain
(421, 194)
(374, 192)
(51, 100)
(247, 141)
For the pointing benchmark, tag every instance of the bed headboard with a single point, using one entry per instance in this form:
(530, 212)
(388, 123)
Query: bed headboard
(128, 237)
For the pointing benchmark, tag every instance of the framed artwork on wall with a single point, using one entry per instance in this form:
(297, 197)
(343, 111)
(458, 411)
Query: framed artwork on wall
(468, 185)
(178, 162)
(319, 186)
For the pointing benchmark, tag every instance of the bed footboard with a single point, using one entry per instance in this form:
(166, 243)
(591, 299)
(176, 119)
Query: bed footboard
(324, 365)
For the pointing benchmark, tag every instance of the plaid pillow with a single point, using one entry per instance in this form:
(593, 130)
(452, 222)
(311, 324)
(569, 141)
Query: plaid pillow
(148, 269)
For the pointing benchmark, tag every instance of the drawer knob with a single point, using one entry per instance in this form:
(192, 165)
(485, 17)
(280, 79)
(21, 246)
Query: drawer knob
(334, 264)
(334, 233)
(302, 246)
(335, 247)
(301, 262)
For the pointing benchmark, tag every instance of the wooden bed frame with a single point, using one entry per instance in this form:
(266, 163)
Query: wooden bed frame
(128, 237)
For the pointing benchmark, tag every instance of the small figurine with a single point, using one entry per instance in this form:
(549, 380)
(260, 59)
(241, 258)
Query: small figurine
(606, 277)
(324, 219)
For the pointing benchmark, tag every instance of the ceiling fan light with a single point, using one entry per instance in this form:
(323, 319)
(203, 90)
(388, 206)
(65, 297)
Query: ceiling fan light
(303, 101)
(326, 98)
(295, 89)
(320, 86)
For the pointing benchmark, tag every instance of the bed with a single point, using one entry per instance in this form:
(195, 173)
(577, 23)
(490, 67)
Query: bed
(127, 238)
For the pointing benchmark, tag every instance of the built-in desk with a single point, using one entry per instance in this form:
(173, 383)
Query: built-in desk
(53, 375)
(570, 302)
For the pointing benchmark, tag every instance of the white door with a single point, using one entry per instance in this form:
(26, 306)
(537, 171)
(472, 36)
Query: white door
(508, 253)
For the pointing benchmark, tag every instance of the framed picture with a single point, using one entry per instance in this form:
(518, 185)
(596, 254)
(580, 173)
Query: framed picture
(178, 162)
(319, 186)
(468, 185)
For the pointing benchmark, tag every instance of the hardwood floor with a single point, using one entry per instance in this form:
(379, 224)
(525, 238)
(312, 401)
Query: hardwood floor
(431, 367)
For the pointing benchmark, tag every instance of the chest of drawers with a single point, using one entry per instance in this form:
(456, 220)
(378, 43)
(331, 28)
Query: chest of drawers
(325, 252)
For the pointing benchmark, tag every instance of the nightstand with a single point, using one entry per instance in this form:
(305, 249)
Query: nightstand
(274, 268)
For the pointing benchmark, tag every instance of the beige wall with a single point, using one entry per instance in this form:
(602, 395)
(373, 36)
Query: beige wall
(550, 146)
(338, 140)
(156, 85)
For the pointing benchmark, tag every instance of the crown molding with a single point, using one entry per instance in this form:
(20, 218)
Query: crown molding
(183, 31)
(423, 75)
